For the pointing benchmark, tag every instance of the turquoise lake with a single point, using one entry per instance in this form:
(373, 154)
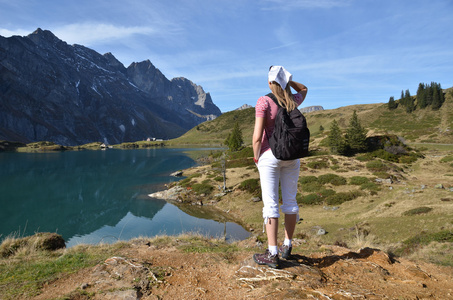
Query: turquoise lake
(93, 197)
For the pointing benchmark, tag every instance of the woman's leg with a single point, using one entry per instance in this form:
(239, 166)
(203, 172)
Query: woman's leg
(272, 230)
(290, 225)
(269, 177)
(289, 177)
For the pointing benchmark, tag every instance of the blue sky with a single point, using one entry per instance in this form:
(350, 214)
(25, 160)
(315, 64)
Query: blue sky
(346, 51)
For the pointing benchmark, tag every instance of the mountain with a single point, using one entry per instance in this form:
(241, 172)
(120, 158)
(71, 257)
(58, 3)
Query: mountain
(245, 106)
(311, 108)
(72, 95)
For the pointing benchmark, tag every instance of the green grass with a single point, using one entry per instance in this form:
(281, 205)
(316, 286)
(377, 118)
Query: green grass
(423, 239)
(24, 276)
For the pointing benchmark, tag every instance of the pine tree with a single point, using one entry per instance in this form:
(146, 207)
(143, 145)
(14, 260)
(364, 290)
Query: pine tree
(409, 102)
(436, 99)
(335, 139)
(402, 99)
(392, 104)
(421, 96)
(441, 94)
(356, 135)
(429, 95)
(234, 140)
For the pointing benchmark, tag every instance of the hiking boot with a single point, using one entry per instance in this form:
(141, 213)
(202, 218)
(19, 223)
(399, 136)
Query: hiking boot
(267, 259)
(285, 251)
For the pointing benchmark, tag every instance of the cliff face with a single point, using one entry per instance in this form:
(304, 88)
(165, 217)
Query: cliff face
(71, 95)
(311, 108)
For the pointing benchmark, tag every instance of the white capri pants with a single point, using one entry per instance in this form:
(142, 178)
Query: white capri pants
(272, 171)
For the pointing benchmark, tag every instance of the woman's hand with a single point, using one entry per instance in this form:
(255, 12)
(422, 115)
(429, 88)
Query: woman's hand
(299, 87)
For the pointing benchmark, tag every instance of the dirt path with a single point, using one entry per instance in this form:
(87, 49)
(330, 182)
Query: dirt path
(143, 271)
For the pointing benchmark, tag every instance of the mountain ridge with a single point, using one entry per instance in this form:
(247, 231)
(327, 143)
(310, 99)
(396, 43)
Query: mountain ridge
(72, 95)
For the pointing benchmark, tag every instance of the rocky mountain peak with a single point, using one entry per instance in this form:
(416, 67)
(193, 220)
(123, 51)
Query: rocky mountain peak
(42, 37)
(112, 61)
(71, 94)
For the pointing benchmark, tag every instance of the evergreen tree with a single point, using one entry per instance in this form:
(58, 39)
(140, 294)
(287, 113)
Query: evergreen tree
(321, 128)
(441, 94)
(356, 135)
(429, 95)
(421, 96)
(234, 140)
(409, 102)
(402, 99)
(335, 139)
(436, 99)
(392, 104)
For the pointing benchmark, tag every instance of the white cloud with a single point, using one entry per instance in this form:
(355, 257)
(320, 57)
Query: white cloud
(92, 33)
(7, 33)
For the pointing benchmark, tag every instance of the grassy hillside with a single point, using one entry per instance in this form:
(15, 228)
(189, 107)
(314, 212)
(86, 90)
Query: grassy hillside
(420, 126)
(216, 131)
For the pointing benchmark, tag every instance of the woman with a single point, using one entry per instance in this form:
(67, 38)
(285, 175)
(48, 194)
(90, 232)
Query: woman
(272, 171)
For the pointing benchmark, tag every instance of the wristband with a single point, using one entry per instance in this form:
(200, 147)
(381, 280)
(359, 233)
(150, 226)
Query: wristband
(255, 160)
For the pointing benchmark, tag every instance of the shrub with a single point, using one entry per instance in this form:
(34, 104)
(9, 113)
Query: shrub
(408, 159)
(383, 175)
(202, 188)
(332, 178)
(218, 178)
(417, 211)
(188, 180)
(246, 152)
(317, 165)
(240, 163)
(364, 157)
(250, 185)
(383, 154)
(376, 166)
(326, 193)
(312, 187)
(342, 197)
(307, 179)
(411, 244)
(315, 198)
(371, 186)
(358, 180)
(185, 182)
(335, 167)
(310, 199)
(447, 159)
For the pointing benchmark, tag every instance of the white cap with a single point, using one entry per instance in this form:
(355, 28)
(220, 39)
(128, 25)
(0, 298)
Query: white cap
(279, 75)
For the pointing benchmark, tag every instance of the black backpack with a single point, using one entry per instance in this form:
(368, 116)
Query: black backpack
(291, 135)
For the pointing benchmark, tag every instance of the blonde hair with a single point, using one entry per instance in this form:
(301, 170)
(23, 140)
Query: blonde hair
(284, 96)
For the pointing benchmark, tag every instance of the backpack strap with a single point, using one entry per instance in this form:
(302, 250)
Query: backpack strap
(272, 96)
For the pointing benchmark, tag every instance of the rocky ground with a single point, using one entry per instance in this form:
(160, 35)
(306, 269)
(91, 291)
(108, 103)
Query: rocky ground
(144, 271)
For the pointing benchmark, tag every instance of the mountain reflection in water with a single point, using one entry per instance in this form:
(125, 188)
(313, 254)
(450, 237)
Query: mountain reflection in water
(97, 196)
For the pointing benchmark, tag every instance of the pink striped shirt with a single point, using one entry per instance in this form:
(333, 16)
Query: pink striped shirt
(266, 108)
